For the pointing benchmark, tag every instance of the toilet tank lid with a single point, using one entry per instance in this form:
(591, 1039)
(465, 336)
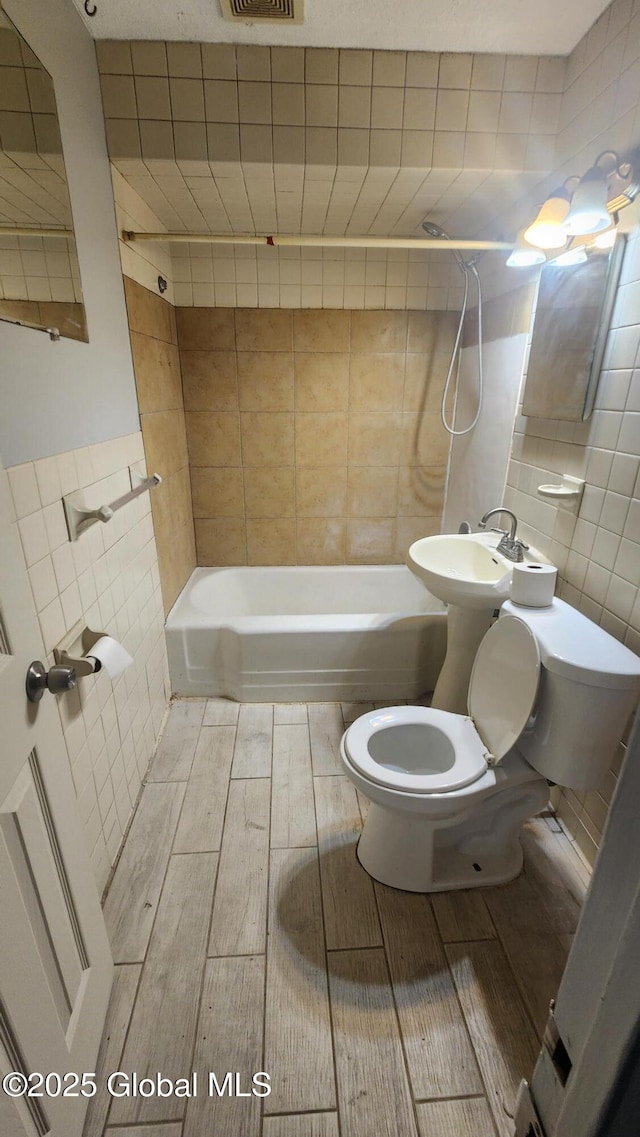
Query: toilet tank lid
(573, 646)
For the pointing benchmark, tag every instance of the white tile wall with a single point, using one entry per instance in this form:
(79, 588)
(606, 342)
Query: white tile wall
(145, 261)
(109, 579)
(597, 550)
(260, 276)
(597, 546)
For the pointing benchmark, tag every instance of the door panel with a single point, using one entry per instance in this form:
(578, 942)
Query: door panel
(55, 963)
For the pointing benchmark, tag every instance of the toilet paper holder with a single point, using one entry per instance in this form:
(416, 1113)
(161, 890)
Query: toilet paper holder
(72, 651)
(85, 652)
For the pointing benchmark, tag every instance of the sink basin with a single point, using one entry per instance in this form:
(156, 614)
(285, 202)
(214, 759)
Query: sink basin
(462, 568)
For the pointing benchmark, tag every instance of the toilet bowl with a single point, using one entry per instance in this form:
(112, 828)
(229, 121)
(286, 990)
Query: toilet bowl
(549, 692)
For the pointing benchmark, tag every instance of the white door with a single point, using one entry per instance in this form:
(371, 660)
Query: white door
(55, 962)
(579, 1079)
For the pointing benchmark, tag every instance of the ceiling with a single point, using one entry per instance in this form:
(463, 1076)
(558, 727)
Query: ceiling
(388, 203)
(531, 27)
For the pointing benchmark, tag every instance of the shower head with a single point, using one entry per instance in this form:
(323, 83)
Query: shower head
(436, 231)
(433, 230)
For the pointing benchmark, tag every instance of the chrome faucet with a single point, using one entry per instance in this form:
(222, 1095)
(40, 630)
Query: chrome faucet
(510, 546)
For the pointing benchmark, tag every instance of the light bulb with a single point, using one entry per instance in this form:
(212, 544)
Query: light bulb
(588, 212)
(575, 256)
(524, 255)
(548, 230)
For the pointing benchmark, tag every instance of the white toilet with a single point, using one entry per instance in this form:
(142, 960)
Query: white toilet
(549, 698)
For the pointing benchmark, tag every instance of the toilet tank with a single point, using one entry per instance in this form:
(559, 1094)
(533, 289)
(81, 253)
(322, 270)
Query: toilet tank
(589, 685)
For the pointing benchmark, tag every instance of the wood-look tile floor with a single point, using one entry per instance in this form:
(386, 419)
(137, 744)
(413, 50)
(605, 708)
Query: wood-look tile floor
(248, 938)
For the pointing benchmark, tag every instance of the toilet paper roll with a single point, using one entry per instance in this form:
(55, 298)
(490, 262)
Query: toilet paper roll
(533, 585)
(111, 655)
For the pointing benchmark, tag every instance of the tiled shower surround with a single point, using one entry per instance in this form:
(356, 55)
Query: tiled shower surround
(109, 579)
(306, 444)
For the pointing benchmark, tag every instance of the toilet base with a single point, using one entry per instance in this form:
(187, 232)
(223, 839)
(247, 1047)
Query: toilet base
(473, 850)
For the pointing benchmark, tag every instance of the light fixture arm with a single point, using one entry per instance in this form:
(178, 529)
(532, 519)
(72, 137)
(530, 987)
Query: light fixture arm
(621, 169)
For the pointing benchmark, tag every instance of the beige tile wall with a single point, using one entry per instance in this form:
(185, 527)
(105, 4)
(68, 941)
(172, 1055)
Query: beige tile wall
(108, 578)
(156, 363)
(302, 426)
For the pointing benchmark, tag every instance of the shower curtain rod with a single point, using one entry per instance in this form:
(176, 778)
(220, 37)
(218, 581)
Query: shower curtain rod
(32, 231)
(335, 242)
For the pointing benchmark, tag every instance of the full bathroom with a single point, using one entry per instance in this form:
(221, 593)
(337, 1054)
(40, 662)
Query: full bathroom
(319, 569)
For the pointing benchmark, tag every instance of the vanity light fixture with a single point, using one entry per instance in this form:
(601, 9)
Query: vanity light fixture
(586, 211)
(589, 212)
(524, 254)
(548, 230)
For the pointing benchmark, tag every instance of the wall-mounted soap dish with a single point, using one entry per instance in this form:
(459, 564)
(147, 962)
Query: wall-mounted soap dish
(570, 489)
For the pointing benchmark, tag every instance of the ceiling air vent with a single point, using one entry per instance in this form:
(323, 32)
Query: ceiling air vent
(258, 11)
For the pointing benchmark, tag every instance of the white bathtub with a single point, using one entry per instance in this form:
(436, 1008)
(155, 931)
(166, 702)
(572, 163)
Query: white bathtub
(305, 634)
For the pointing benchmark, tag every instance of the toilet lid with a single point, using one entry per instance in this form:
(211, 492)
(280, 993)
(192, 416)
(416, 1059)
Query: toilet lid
(504, 683)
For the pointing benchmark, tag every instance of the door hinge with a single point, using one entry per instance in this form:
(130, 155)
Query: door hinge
(527, 1122)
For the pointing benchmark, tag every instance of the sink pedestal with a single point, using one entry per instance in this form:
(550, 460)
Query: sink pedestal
(465, 629)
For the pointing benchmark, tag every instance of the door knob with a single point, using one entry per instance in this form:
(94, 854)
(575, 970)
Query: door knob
(56, 680)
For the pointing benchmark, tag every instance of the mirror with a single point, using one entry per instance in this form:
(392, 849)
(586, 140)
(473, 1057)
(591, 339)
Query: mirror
(573, 313)
(39, 273)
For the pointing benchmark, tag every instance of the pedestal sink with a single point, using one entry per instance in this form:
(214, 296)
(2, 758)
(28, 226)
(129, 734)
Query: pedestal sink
(466, 572)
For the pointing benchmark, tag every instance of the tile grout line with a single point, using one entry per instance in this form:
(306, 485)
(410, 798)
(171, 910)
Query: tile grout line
(126, 1035)
(160, 894)
(213, 896)
(523, 999)
(456, 1097)
(219, 851)
(267, 914)
(143, 962)
(396, 1013)
(135, 1125)
(326, 952)
(463, 1017)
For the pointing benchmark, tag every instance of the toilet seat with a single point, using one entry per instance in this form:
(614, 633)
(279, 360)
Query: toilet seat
(425, 751)
(416, 749)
